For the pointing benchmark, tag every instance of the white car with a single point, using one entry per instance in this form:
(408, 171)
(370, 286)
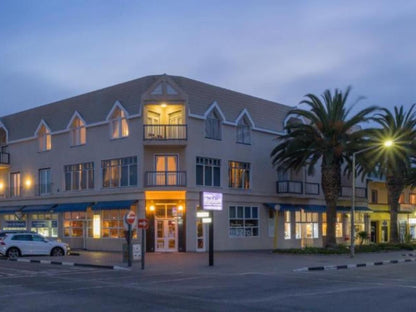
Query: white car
(22, 244)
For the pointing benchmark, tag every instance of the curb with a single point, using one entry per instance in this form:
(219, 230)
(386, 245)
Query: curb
(88, 265)
(352, 266)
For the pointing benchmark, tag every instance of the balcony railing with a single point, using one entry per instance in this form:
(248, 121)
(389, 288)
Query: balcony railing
(165, 178)
(26, 191)
(4, 156)
(297, 187)
(165, 132)
(360, 192)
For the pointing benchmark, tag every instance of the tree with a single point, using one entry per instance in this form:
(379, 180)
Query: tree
(328, 135)
(394, 163)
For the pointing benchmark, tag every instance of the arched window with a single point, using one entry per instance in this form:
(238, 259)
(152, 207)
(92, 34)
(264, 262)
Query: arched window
(78, 132)
(119, 125)
(213, 126)
(44, 139)
(243, 132)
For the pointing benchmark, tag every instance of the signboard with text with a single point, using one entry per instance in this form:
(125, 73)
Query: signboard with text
(211, 201)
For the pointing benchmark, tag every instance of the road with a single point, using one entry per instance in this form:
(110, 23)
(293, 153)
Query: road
(40, 287)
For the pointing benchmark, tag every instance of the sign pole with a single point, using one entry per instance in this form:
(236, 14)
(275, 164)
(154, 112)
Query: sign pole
(211, 240)
(143, 246)
(129, 245)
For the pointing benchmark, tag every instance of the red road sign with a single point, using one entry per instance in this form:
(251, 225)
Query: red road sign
(130, 217)
(143, 224)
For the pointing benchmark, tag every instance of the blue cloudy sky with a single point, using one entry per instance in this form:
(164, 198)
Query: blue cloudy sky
(278, 50)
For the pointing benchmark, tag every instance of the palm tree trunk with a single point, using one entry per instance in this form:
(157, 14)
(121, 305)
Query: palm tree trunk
(395, 186)
(331, 180)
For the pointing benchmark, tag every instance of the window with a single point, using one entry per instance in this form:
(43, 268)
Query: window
(74, 224)
(119, 125)
(338, 225)
(44, 139)
(243, 132)
(45, 224)
(208, 171)
(119, 172)
(306, 224)
(112, 226)
(213, 126)
(401, 198)
(412, 198)
(78, 132)
(45, 185)
(238, 175)
(15, 186)
(243, 221)
(374, 196)
(3, 137)
(287, 225)
(79, 176)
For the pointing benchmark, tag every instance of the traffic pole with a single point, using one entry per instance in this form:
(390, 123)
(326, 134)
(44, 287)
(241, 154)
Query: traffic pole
(129, 245)
(143, 246)
(211, 240)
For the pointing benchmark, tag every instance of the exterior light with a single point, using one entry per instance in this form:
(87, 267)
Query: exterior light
(163, 105)
(180, 208)
(152, 208)
(28, 182)
(1, 186)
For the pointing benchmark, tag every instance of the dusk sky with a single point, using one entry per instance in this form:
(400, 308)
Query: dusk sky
(277, 50)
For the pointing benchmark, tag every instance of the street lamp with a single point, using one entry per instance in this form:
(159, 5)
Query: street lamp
(387, 144)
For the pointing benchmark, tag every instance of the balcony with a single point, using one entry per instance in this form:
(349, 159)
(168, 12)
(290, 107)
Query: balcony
(4, 157)
(165, 178)
(360, 192)
(297, 187)
(165, 133)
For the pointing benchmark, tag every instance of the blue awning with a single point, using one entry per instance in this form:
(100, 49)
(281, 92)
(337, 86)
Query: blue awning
(72, 207)
(38, 208)
(310, 208)
(12, 209)
(120, 204)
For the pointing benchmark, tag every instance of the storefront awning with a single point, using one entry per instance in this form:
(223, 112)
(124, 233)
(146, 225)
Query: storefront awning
(10, 209)
(38, 208)
(348, 208)
(311, 208)
(72, 207)
(120, 204)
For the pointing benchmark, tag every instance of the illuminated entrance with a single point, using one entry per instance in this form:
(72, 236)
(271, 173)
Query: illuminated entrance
(166, 227)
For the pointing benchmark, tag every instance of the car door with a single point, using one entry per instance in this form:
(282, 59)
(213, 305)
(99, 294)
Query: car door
(23, 242)
(39, 246)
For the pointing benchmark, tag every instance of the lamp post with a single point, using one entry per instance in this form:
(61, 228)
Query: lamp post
(387, 144)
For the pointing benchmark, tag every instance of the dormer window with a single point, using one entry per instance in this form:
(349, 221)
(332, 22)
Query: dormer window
(3, 137)
(118, 124)
(243, 132)
(78, 132)
(44, 139)
(213, 126)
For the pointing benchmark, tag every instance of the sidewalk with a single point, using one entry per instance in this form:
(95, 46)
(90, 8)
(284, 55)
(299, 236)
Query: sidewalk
(228, 262)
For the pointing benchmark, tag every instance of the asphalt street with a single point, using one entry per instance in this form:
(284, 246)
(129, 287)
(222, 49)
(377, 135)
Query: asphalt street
(40, 287)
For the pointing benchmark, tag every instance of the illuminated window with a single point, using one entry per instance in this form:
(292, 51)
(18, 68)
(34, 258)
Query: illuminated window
(243, 132)
(44, 139)
(239, 175)
(243, 221)
(213, 126)
(306, 224)
(119, 172)
(413, 198)
(78, 132)
(287, 225)
(15, 186)
(45, 224)
(119, 125)
(401, 198)
(79, 176)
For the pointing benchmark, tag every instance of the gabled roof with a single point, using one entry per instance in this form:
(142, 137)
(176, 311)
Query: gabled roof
(95, 106)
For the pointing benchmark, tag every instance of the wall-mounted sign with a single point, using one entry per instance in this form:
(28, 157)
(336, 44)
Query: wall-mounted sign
(206, 220)
(211, 201)
(202, 214)
(15, 224)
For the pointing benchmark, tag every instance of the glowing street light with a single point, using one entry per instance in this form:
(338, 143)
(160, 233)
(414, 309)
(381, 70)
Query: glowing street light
(387, 144)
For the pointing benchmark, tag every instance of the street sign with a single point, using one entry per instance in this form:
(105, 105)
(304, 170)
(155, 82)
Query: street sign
(202, 214)
(206, 220)
(143, 224)
(130, 217)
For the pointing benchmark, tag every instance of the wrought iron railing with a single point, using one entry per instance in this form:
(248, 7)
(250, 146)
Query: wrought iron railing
(165, 178)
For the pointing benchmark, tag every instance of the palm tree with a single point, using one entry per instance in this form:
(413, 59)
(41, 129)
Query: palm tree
(329, 136)
(395, 163)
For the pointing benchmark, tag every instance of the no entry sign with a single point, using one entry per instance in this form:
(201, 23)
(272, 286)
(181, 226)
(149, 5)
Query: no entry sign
(130, 218)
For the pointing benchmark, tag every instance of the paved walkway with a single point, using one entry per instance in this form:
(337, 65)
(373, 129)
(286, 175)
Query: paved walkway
(244, 262)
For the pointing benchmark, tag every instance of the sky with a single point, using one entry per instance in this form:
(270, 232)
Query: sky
(278, 50)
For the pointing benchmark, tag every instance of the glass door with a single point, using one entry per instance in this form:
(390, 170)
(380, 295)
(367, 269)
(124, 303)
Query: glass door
(166, 235)
(200, 235)
(175, 131)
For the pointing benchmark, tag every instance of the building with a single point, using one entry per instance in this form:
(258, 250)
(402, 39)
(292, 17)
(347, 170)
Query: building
(73, 168)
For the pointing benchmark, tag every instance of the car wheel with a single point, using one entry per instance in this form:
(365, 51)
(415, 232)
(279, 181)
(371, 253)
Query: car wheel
(13, 253)
(57, 252)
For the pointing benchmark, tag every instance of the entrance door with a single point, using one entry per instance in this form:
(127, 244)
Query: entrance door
(200, 235)
(166, 169)
(166, 235)
(175, 131)
(374, 231)
(154, 130)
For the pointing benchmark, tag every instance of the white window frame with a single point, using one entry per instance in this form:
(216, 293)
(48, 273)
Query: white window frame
(245, 230)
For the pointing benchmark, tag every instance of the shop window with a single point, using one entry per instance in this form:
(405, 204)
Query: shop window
(74, 224)
(45, 224)
(306, 224)
(243, 221)
(287, 225)
(79, 176)
(12, 222)
(119, 172)
(208, 171)
(112, 223)
(238, 175)
(338, 225)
